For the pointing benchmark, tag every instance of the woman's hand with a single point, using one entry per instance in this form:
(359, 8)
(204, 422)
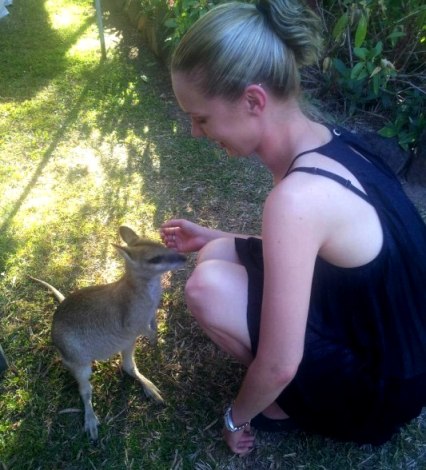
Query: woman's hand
(240, 442)
(185, 236)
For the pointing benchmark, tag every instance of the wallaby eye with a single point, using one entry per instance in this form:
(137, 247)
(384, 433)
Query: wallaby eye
(156, 259)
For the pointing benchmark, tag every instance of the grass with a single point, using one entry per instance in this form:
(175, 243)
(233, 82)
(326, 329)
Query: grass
(86, 146)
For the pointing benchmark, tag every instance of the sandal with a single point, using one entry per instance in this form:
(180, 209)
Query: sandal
(263, 423)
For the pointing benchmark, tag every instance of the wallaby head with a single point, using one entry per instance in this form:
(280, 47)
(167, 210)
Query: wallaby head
(147, 258)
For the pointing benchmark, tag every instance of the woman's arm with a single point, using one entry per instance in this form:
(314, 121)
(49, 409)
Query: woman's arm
(292, 233)
(185, 236)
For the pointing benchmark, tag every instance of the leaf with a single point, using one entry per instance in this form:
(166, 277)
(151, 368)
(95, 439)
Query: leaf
(341, 68)
(375, 71)
(340, 26)
(396, 35)
(388, 131)
(361, 52)
(361, 31)
(378, 48)
(356, 71)
(326, 64)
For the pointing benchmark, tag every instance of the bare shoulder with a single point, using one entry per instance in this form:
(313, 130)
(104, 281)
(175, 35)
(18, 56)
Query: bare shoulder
(299, 197)
(317, 211)
(296, 215)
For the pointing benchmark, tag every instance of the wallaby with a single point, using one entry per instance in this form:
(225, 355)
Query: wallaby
(96, 322)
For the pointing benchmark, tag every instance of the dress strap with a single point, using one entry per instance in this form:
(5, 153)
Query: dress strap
(334, 133)
(339, 179)
(298, 156)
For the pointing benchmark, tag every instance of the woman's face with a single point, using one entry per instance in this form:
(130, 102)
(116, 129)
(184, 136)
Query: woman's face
(228, 123)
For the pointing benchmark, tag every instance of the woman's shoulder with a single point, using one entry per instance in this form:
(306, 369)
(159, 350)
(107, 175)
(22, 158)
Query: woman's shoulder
(293, 203)
(300, 191)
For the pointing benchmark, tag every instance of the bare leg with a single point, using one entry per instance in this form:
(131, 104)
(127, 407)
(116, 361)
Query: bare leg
(82, 374)
(216, 294)
(215, 297)
(129, 366)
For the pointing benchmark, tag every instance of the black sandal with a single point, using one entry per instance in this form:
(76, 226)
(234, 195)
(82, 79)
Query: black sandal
(263, 423)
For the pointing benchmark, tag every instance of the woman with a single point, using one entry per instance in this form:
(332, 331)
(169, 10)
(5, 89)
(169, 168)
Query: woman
(327, 308)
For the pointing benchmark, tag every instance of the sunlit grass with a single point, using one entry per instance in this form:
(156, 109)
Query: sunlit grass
(86, 146)
(64, 15)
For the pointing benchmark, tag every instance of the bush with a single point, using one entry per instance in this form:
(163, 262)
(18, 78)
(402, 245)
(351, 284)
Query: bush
(374, 55)
(183, 13)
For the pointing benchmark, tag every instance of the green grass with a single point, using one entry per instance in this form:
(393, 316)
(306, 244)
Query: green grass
(86, 146)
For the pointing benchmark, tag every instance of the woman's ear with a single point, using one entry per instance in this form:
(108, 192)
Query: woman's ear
(255, 97)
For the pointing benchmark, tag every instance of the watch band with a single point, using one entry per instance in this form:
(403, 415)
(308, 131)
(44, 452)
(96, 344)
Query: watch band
(229, 422)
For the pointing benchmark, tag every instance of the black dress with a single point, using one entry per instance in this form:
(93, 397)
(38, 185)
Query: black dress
(363, 372)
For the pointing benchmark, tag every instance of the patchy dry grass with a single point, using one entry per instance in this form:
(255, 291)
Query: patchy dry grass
(84, 147)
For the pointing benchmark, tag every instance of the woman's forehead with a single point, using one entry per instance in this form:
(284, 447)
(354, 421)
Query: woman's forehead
(190, 99)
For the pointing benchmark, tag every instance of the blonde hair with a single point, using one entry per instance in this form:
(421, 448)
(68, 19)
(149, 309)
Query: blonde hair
(237, 44)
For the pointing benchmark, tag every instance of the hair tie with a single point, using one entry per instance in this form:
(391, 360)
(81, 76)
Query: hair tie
(262, 10)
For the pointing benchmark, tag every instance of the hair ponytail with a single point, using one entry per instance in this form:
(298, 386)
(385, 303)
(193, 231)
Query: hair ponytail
(296, 25)
(236, 44)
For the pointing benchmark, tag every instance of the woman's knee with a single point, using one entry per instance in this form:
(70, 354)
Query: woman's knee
(199, 288)
(215, 287)
(216, 295)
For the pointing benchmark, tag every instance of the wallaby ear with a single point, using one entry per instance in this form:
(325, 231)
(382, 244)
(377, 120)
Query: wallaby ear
(128, 235)
(124, 252)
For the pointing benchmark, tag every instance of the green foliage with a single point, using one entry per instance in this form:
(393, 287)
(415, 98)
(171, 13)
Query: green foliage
(375, 61)
(183, 14)
(85, 146)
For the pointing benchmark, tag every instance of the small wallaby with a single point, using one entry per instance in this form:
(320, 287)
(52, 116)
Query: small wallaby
(96, 322)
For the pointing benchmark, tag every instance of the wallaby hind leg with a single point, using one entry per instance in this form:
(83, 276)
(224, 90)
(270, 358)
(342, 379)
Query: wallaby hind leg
(129, 366)
(82, 375)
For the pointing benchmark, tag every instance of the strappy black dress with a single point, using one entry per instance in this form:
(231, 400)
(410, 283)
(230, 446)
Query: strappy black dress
(363, 372)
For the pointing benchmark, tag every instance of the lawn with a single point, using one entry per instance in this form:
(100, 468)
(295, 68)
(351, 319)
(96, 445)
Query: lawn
(85, 146)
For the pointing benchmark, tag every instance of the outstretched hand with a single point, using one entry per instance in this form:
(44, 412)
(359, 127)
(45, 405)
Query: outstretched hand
(184, 236)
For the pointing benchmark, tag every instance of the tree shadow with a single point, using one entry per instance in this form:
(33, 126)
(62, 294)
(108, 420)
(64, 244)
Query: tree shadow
(139, 102)
(26, 58)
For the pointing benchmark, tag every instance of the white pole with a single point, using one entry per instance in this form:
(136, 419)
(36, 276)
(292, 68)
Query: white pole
(100, 27)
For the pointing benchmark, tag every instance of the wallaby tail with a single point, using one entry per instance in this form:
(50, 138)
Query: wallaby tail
(54, 291)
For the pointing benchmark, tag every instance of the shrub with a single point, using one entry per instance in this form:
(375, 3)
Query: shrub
(374, 60)
(183, 13)
(375, 56)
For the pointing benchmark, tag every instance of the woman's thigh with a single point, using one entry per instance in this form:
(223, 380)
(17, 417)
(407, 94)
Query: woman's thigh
(216, 294)
(220, 249)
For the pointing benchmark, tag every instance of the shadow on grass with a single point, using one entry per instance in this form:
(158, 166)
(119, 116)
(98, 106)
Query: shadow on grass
(70, 119)
(28, 43)
(178, 178)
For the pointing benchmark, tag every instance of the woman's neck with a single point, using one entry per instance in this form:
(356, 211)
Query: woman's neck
(288, 132)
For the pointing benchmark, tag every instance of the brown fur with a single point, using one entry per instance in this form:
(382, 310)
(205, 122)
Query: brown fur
(96, 322)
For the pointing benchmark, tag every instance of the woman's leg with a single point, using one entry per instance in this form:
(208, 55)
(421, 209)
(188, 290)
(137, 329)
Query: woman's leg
(216, 295)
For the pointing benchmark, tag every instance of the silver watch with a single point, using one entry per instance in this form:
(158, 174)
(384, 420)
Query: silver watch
(229, 422)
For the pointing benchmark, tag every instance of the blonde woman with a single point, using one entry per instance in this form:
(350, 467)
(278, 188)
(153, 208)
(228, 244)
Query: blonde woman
(327, 308)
